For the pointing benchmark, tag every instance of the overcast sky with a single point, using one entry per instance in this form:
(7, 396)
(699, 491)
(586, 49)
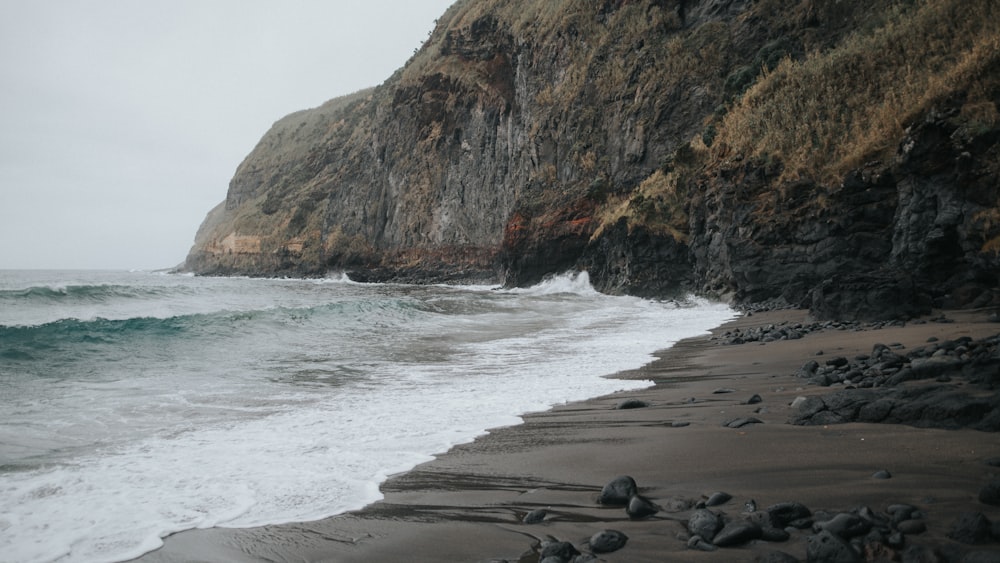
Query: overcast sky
(122, 121)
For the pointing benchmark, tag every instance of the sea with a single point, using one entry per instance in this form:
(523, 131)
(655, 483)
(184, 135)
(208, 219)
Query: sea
(134, 405)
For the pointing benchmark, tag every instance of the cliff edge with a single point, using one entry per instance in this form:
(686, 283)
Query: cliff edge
(836, 155)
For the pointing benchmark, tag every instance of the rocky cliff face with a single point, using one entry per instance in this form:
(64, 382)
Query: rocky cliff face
(836, 155)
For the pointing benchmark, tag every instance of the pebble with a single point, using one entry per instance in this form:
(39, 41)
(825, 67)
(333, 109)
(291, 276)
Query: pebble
(562, 550)
(718, 498)
(632, 404)
(640, 507)
(845, 525)
(741, 422)
(607, 541)
(697, 542)
(737, 532)
(704, 524)
(912, 527)
(535, 516)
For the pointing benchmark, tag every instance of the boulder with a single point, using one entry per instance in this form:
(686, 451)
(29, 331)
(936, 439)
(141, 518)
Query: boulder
(640, 507)
(562, 550)
(704, 523)
(971, 528)
(990, 493)
(845, 525)
(783, 514)
(737, 532)
(830, 548)
(618, 491)
(607, 541)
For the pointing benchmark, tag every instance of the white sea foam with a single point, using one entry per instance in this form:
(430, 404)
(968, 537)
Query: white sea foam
(294, 414)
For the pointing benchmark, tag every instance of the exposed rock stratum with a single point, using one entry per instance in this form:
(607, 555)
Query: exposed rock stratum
(838, 155)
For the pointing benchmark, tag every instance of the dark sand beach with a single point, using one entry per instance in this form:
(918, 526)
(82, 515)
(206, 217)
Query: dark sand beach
(468, 504)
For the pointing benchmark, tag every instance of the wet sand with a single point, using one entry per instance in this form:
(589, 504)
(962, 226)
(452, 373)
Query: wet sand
(467, 505)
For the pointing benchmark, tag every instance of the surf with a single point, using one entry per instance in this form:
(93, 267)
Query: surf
(239, 402)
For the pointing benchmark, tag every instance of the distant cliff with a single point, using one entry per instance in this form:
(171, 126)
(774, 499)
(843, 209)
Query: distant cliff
(842, 155)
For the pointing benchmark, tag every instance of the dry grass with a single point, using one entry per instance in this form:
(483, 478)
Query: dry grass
(658, 204)
(834, 110)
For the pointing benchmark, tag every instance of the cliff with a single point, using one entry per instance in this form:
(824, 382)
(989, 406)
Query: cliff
(838, 155)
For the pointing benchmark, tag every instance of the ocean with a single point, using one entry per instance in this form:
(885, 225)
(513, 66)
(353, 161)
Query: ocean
(138, 404)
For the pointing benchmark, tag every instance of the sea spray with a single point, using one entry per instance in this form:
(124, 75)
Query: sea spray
(196, 402)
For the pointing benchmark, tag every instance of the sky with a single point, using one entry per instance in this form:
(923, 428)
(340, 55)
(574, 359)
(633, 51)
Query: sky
(122, 121)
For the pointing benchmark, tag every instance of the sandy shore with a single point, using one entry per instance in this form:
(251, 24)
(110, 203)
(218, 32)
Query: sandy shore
(467, 505)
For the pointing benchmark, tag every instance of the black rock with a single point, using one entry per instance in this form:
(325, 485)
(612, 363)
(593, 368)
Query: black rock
(640, 507)
(901, 512)
(535, 516)
(981, 557)
(810, 407)
(704, 523)
(699, 543)
(618, 491)
(990, 494)
(755, 399)
(825, 547)
(837, 362)
(882, 474)
(632, 404)
(718, 498)
(737, 532)
(741, 422)
(774, 534)
(777, 557)
(783, 514)
(607, 541)
(760, 517)
(845, 525)
(912, 527)
(559, 549)
(971, 528)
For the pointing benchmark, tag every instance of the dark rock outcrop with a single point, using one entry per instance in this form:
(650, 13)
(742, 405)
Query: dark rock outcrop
(526, 139)
(957, 387)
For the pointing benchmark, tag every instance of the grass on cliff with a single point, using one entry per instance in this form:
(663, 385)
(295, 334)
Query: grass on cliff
(835, 110)
(659, 203)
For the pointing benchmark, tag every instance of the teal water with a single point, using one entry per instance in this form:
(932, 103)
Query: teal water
(138, 404)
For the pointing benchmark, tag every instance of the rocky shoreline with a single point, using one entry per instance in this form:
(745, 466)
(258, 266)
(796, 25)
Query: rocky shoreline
(718, 461)
(967, 377)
